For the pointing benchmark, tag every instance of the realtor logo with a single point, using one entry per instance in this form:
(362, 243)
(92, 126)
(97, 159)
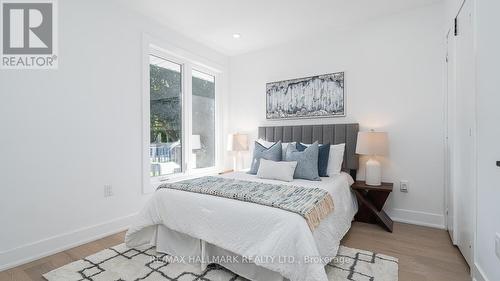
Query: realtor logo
(28, 34)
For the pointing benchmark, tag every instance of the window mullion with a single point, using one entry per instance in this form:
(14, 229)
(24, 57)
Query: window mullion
(187, 115)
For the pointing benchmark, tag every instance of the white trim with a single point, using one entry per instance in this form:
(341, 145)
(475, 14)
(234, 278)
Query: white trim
(417, 218)
(478, 273)
(181, 53)
(58, 243)
(146, 179)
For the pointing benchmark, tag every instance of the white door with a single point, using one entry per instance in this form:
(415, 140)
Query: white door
(449, 133)
(464, 135)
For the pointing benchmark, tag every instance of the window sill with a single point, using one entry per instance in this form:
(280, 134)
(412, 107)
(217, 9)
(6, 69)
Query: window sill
(190, 174)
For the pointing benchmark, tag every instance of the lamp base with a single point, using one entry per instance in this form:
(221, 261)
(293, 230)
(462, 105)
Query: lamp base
(373, 171)
(236, 161)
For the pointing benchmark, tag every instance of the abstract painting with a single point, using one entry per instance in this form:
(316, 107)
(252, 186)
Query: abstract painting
(309, 97)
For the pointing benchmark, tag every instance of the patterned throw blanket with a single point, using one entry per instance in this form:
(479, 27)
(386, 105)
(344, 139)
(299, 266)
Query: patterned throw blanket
(314, 204)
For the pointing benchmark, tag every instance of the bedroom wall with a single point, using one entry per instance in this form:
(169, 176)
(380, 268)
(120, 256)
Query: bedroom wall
(394, 82)
(66, 133)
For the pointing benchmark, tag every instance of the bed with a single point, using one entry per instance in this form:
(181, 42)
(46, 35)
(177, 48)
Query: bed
(255, 241)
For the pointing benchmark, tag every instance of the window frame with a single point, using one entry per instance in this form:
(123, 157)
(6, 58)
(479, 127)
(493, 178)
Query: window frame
(188, 62)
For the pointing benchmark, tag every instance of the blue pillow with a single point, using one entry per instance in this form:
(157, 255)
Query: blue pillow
(323, 156)
(272, 153)
(307, 161)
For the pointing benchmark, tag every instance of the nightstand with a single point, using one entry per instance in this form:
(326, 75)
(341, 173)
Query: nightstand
(371, 200)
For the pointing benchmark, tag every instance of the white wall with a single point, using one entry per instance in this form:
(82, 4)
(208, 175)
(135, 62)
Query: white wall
(488, 136)
(394, 82)
(66, 133)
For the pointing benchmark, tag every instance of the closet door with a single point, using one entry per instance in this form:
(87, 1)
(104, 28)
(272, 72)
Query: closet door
(464, 139)
(450, 167)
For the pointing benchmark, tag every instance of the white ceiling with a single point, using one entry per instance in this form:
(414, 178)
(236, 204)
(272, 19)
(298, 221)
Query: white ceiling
(263, 23)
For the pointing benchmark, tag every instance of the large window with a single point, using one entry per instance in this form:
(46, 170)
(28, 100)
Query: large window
(180, 117)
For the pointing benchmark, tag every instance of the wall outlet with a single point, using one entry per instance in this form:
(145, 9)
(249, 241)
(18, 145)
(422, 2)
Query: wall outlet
(404, 185)
(497, 245)
(108, 190)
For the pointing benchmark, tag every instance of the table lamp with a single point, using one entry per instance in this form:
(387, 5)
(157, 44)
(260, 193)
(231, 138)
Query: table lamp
(237, 143)
(373, 144)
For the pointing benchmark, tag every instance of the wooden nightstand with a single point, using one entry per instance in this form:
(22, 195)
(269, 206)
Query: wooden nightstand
(371, 200)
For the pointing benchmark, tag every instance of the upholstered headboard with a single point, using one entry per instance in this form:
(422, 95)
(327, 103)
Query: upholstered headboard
(327, 133)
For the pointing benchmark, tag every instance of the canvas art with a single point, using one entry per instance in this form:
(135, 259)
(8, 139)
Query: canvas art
(310, 97)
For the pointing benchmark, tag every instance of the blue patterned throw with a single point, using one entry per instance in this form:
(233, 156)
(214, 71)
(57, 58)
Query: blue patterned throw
(314, 204)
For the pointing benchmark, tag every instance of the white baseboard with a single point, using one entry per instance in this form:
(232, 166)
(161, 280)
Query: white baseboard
(55, 244)
(478, 274)
(417, 218)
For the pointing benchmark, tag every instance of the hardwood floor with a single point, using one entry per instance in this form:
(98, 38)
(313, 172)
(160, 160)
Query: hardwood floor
(425, 254)
(33, 271)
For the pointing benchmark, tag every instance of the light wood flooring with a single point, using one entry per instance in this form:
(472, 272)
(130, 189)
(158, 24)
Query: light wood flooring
(425, 254)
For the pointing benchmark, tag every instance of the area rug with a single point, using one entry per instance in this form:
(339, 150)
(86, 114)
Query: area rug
(120, 263)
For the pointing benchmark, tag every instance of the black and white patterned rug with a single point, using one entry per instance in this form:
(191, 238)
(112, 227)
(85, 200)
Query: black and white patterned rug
(120, 263)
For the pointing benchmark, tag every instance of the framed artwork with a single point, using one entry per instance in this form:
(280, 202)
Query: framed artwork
(309, 97)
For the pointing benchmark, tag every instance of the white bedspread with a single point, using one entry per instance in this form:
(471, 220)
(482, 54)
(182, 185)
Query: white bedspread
(253, 230)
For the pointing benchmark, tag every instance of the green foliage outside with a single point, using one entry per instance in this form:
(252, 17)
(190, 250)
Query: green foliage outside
(165, 91)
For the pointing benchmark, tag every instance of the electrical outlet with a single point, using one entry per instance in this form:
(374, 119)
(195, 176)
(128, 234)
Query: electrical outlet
(108, 190)
(497, 245)
(404, 185)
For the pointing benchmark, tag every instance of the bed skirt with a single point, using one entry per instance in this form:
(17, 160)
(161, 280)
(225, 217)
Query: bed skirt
(192, 249)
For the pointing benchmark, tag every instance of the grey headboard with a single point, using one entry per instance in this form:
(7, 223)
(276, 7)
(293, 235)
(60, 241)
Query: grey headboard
(327, 133)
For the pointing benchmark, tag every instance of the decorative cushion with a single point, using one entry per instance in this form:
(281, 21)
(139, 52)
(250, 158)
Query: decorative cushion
(268, 144)
(307, 161)
(273, 170)
(336, 159)
(324, 154)
(260, 151)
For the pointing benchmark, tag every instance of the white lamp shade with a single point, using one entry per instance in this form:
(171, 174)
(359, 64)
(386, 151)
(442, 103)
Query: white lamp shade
(195, 142)
(237, 142)
(372, 143)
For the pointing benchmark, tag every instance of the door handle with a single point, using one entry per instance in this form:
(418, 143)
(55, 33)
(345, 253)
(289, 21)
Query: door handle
(498, 163)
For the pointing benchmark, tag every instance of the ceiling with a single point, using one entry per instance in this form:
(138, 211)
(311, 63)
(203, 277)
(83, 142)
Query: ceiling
(263, 23)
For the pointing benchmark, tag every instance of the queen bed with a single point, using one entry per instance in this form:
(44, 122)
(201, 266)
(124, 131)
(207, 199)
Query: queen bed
(255, 241)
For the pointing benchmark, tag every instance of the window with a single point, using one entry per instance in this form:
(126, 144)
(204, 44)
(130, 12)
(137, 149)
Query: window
(203, 100)
(165, 149)
(180, 118)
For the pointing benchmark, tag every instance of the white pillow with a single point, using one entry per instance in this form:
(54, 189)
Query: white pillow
(268, 144)
(273, 170)
(335, 159)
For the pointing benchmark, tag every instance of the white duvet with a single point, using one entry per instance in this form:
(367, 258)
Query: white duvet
(253, 230)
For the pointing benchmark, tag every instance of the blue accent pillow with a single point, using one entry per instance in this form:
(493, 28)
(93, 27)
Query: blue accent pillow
(323, 156)
(272, 153)
(307, 161)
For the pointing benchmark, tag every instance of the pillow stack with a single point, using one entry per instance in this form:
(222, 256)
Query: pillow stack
(288, 161)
